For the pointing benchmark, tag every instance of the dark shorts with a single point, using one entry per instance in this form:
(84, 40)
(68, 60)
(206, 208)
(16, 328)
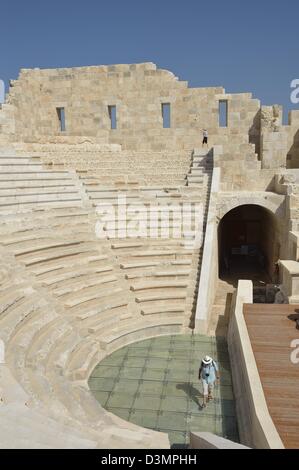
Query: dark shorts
(205, 140)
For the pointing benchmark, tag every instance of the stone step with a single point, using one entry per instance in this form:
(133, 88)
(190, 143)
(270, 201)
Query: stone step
(58, 250)
(23, 310)
(82, 284)
(20, 159)
(194, 184)
(89, 258)
(10, 152)
(195, 171)
(160, 297)
(74, 274)
(138, 265)
(81, 298)
(32, 246)
(50, 336)
(201, 152)
(160, 216)
(10, 300)
(25, 330)
(40, 237)
(142, 205)
(39, 198)
(20, 167)
(78, 363)
(154, 229)
(126, 244)
(156, 274)
(43, 174)
(157, 253)
(25, 194)
(180, 262)
(130, 193)
(96, 313)
(170, 309)
(29, 184)
(61, 259)
(145, 285)
(28, 207)
(195, 179)
(171, 326)
(99, 325)
(204, 166)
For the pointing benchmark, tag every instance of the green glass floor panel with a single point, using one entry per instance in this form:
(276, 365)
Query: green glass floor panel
(146, 402)
(172, 421)
(153, 374)
(121, 412)
(106, 372)
(120, 400)
(125, 385)
(154, 384)
(131, 373)
(145, 418)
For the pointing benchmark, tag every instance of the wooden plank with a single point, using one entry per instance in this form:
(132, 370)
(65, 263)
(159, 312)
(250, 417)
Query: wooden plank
(271, 332)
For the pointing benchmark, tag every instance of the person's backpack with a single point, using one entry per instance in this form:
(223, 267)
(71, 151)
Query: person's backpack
(212, 364)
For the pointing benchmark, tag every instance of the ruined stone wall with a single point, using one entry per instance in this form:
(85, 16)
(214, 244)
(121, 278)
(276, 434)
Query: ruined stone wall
(279, 144)
(293, 140)
(7, 123)
(138, 91)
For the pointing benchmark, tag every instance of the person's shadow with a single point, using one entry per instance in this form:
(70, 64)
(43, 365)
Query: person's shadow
(191, 392)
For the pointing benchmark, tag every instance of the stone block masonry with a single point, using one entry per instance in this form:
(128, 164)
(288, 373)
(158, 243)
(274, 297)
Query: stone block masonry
(138, 92)
(75, 140)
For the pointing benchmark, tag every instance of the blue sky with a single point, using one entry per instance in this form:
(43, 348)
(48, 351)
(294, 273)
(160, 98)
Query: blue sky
(243, 46)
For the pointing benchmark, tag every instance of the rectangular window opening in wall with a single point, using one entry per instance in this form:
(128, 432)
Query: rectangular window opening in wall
(166, 115)
(112, 116)
(61, 118)
(223, 113)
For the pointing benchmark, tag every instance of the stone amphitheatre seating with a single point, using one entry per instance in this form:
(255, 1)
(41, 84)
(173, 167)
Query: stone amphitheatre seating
(75, 286)
(68, 297)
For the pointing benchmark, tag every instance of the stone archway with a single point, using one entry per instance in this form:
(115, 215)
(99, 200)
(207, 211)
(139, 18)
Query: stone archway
(274, 203)
(249, 243)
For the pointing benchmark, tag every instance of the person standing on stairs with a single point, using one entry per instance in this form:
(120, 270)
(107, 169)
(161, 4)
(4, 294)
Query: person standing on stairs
(205, 136)
(208, 373)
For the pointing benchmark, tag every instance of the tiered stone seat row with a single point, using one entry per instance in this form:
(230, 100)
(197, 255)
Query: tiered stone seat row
(68, 298)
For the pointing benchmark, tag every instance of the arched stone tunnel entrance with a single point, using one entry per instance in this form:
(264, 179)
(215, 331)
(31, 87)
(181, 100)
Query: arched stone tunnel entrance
(248, 242)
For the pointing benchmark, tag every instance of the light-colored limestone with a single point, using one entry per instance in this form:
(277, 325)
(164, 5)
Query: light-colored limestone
(256, 427)
(209, 270)
(289, 273)
(207, 440)
(67, 297)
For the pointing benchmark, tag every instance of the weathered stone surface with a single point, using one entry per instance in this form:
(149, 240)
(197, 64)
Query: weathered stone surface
(61, 312)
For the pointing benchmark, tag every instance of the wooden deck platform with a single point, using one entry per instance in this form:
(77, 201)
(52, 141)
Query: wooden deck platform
(271, 333)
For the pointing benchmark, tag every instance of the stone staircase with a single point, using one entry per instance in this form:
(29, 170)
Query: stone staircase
(69, 297)
(201, 167)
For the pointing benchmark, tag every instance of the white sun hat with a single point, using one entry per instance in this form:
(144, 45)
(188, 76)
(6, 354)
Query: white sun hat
(207, 360)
